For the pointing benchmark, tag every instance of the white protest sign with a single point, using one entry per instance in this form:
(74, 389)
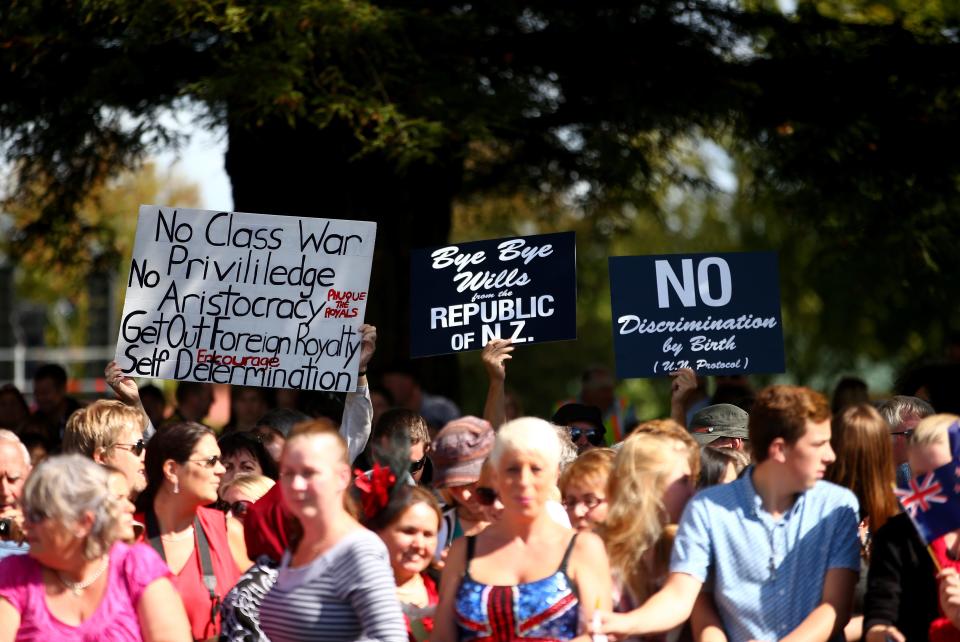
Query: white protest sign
(246, 299)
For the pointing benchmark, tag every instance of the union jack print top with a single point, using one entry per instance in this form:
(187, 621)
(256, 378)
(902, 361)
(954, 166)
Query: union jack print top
(545, 610)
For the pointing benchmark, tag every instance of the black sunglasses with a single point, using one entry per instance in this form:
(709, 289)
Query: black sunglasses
(136, 448)
(594, 436)
(417, 466)
(237, 509)
(208, 462)
(485, 496)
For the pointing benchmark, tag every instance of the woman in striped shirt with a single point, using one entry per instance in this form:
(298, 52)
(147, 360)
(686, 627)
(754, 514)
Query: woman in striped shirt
(336, 585)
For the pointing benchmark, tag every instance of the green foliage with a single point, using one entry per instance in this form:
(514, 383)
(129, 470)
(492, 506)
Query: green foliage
(99, 237)
(840, 119)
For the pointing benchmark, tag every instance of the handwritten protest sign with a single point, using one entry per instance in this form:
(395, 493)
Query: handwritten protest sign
(246, 299)
(520, 288)
(716, 313)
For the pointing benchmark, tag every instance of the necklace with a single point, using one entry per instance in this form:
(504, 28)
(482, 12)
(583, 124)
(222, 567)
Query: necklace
(78, 587)
(178, 537)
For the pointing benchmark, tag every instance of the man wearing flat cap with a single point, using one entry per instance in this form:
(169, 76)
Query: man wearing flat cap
(721, 425)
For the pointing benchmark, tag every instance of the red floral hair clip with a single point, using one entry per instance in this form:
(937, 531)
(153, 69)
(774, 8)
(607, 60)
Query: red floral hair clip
(374, 488)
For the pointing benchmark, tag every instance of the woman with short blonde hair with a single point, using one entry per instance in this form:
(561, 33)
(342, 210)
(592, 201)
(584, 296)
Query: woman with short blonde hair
(524, 564)
(99, 426)
(583, 488)
(111, 433)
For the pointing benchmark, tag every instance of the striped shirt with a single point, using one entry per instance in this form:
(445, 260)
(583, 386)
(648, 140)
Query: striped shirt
(346, 594)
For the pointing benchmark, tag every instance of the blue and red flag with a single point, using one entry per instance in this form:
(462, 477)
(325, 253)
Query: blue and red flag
(933, 500)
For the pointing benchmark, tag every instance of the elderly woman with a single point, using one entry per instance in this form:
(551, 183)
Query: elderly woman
(183, 474)
(336, 584)
(524, 576)
(78, 581)
(110, 433)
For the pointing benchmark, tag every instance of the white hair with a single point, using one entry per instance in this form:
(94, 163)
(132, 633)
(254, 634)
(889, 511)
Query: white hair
(529, 434)
(11, 437)
(64, 488)
(897, 409)
(568, 449)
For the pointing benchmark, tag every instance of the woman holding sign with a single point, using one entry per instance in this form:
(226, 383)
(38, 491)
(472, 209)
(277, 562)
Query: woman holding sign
(524, 576)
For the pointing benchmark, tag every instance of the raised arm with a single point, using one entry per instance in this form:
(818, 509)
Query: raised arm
(127, 392)
(683, 385)
(357, 407)
(494, 356)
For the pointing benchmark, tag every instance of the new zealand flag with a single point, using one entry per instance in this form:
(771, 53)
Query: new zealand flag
(933, 500)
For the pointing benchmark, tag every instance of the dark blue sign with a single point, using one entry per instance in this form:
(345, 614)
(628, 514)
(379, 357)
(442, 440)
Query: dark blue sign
(521, 288)
(716, 313)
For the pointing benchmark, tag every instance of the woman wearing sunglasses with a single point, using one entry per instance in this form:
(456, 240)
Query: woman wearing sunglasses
(183, 473)
(457, 453)
(110, 433)
(79, 582)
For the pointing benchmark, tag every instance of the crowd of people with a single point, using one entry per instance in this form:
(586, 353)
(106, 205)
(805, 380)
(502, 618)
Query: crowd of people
(745, 515)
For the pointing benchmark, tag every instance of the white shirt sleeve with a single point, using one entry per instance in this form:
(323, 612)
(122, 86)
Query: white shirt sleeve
(357, 421)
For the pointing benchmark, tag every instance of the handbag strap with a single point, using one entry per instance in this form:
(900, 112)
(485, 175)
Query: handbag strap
(203, 547)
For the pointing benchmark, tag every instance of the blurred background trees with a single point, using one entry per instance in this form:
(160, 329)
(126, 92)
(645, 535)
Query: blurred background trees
(824, 130)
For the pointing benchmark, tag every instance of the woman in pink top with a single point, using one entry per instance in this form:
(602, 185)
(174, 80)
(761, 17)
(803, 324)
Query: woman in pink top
(78, 582)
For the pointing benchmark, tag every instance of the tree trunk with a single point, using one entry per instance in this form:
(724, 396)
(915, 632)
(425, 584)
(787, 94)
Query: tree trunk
(303, 171)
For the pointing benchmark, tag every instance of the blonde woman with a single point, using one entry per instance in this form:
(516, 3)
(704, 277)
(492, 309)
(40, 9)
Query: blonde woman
(243, 491)
(525, 575)
(653, 477)
(110, 433)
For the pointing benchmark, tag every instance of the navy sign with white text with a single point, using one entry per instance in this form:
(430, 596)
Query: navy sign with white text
(716, 313)
(521, 288)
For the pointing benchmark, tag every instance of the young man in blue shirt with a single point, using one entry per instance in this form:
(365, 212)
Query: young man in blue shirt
(777, 549)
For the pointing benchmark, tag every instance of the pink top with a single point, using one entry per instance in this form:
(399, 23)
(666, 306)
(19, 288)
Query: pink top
(132, 569)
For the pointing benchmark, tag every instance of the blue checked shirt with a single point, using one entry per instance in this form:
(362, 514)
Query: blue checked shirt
(766, 575)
